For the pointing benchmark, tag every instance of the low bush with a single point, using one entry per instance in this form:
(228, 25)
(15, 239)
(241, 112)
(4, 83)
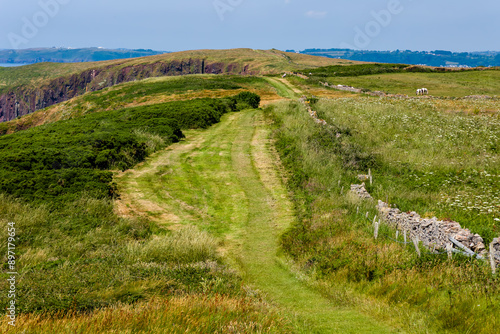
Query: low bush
(58, 161)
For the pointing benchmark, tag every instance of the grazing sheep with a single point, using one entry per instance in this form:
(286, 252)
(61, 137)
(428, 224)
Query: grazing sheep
(422, 91)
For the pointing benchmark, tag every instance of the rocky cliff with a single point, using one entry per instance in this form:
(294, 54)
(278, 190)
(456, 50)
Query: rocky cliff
(24, 100)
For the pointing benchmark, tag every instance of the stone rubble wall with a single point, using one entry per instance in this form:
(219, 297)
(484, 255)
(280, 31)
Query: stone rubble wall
(432, 232)
(359, 90)
(435, 234)
(311, 112)
(496, 247)
(360, 191)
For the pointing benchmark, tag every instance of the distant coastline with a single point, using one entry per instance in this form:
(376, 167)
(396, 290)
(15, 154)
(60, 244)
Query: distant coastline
(69, 55)
(11, 65)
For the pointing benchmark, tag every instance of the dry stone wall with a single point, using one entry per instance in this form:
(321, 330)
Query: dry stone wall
(360, 191)
(436, 235)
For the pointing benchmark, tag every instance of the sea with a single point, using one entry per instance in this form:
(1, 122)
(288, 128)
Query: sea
(11, 65)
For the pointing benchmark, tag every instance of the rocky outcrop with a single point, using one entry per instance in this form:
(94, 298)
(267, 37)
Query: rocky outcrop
(24, 100)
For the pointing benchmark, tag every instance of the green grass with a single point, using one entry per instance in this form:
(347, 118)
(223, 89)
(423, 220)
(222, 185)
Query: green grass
(315, 259)
(360, 69)
(74, 252)
(124, 94)
(222, 181)
(60, 160)
(424, 160)
(454, 84)
(84, 257)
(36, 73)
(282, 88)
(234, 60)
(332, 243)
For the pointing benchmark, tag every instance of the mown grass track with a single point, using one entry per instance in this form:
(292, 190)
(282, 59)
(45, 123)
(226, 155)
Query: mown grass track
(224, 181)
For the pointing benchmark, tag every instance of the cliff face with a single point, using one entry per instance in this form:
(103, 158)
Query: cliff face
(24, 100)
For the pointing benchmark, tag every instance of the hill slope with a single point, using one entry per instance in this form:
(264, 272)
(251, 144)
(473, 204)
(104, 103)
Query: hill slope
(29, 88)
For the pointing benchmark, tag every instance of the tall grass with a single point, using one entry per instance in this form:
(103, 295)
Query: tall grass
(153, 142)
(82, 256)
(185, 246)
(333, 241)
(447, 164)
(188, 314)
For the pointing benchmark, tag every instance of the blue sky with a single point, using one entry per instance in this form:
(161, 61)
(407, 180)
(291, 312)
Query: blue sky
(283, 24)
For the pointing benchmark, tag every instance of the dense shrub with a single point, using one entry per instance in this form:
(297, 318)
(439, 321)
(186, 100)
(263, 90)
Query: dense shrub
(58, 161)
(357, 70)
(246, 100)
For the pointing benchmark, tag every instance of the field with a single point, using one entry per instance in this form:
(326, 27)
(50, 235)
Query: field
(447, 84)
(215, 204)
(424, 160)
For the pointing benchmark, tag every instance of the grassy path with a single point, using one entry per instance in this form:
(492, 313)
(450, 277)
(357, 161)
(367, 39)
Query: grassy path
(284, 88)
(224, 180)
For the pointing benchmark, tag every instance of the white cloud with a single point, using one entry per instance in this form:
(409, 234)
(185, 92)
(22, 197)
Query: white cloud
(315, 14)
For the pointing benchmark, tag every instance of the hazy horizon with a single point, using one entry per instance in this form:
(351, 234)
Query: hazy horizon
(283, 49)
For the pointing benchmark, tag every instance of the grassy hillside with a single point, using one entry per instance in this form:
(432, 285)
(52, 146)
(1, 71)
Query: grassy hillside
(403, 79)
(145, 92)
(37, 73)
(70, 240)
(258, 61)
(214, 202)
(422, 159)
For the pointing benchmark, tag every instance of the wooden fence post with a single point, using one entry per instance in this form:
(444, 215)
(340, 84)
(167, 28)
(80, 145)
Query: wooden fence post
(492, 259)
(449, 248)
(415, 242)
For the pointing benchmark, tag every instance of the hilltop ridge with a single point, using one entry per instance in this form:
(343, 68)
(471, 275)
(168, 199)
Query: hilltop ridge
(26, 89)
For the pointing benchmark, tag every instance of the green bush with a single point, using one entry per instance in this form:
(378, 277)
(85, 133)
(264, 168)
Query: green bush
(58, 161)
(247, 100)
(356, 70)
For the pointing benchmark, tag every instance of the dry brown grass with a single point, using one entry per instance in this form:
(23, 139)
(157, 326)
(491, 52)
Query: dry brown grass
(189, 314)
